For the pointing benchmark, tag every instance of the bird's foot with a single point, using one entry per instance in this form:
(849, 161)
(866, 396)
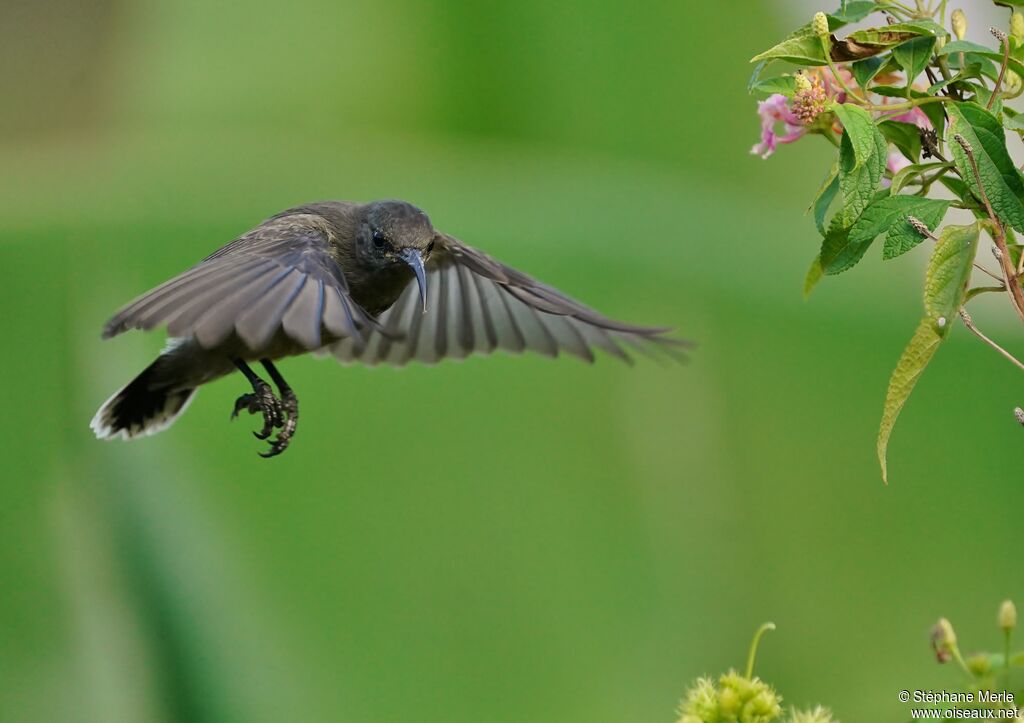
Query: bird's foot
(261, 400)
(290, 417)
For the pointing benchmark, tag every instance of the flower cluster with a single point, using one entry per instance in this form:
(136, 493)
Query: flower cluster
(735, 698)
(745, 698)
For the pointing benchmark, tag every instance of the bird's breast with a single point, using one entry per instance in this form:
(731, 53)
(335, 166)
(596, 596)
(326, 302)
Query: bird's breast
(378, 291)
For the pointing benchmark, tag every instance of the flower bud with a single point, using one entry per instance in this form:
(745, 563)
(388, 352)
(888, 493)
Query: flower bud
(1011, 83)
(1007, 616)
(959, 24)
(1017, 26)
(810, 99)
(943, 640)
(979, 665)
(820, 25)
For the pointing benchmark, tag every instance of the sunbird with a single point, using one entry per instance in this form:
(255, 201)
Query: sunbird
(369, 283)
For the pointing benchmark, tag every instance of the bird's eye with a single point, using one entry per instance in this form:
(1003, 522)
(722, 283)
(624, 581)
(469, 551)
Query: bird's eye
(378, 240)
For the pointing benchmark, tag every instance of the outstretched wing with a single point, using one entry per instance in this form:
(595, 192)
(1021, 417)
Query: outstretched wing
(476, 305)
(279, 276)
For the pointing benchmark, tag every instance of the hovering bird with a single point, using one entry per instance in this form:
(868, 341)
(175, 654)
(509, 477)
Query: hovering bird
(371, 283)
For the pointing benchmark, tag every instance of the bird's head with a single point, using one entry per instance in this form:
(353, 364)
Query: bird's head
(395, 236)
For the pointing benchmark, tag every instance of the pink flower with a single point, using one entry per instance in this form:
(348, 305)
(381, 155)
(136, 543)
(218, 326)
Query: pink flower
(916, 116)
(896, 162)
(832, 86)
(776, 110)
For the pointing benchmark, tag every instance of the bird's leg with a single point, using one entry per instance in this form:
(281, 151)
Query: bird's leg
(289, 405)
(261, 399)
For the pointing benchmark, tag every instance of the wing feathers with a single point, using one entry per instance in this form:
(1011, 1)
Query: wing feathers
(476, 305)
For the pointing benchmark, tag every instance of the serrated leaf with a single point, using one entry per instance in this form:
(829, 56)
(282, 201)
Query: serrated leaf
(843, 248)
(862, 156)
(949, 270)
(912, 363)
(905, 136)
(914, 55)
(901, 236)
(859, 127)
(784, 84)
(1001, 179)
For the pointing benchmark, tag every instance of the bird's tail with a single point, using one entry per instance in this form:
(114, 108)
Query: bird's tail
(147, 405)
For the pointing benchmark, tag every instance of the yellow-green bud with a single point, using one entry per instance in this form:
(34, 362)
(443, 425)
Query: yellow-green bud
(943, 640)
(1011, 83)
(1017, 26)
(820, 25)
(802, 83)
(1007, 615)
(959, 21)
(979, 664)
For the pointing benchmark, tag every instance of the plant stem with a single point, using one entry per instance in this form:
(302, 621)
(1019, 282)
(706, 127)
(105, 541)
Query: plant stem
(1007, 632)
(909, 104)
(969, 323)
(1002, 69)
(753, 647)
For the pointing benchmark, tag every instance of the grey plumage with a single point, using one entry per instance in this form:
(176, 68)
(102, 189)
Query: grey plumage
(338, 276)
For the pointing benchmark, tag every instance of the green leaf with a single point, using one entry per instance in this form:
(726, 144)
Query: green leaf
(814, 274)
(801, 47)
(862, 156)
(905, 175)
(905, 136)
(824, 197)
(756, 75)
(843, 248)
(1001, 179)
(855, 11)
(864, 71)
(890, 35)
(936, 115)
(908, 370)
(1013, 120)
(784, 84)
(914, 55)
(959, 189)
(949, 270)
(966, 46)
(901, 236)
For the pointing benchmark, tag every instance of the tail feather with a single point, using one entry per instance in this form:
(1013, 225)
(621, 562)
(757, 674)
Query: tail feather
(147, 405)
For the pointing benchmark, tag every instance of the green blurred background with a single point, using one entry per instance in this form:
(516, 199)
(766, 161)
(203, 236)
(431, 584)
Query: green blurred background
(503, 539)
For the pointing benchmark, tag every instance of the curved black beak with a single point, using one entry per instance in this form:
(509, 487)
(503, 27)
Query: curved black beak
(413, 258)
